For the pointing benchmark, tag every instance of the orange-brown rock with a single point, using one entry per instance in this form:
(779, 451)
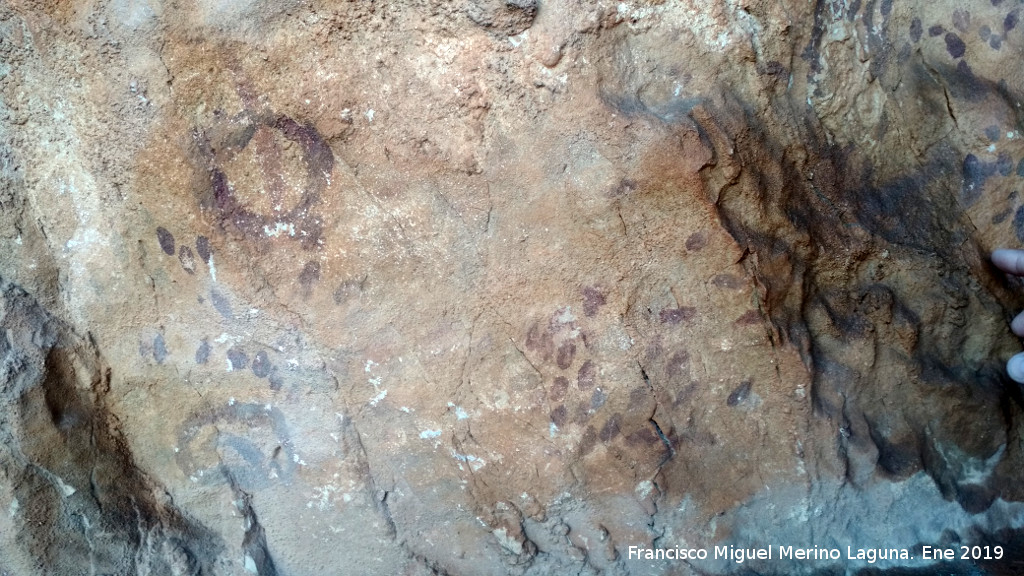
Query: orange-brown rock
(507, 287)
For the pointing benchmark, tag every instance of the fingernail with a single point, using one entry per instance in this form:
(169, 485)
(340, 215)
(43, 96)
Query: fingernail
(1015, 368)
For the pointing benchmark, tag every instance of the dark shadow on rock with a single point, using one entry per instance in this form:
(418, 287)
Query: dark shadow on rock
(84, 503)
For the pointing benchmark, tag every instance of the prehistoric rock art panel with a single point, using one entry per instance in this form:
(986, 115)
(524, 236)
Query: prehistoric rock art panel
(508, 287)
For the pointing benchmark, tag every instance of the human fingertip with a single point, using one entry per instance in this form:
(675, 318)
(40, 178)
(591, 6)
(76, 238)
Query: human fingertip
(1015, 368)
(1017, 325)
(1008, 260)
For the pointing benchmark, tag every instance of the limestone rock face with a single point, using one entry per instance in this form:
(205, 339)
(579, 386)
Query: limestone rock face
(507, 287)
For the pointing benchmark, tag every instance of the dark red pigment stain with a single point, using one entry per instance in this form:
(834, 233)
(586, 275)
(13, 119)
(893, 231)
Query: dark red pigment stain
(203, 352)
(642, 437)
(1018, 223)
(188, 261)
(696, 241)
(582, 414)
(559, 388)
(589, 441)
(593, 299)
(566, 352)
(749, 317)
(727, 281)
(1011, 21)
(954, 45)
(961, 20)
(587, 375)
(309, 276)
(1004, 164)
(540, 341)
(677, 315)
(685, 393)
(678, 365)
(166, 240)
(1001, 217)
(221, 304)
(611, 428)
(203, 248)
(739, 394)
(975, 173)
(159, 349)
(261, 365)
(233, 214)
(238, 359)
(559, 416)
(256, 470)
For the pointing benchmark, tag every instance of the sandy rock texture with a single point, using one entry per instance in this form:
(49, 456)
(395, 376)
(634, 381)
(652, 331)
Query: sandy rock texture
(507, 286)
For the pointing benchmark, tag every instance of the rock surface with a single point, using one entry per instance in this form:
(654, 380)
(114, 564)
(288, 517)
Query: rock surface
(506, 287)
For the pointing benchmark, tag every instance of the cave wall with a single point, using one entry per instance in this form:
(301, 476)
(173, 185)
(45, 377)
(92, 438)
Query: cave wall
(488, 287)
